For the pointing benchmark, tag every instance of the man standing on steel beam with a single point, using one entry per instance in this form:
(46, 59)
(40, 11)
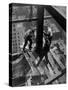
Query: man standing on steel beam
(48, 38)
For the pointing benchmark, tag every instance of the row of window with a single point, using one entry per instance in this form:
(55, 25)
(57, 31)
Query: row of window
(15, 49)
(20, 12)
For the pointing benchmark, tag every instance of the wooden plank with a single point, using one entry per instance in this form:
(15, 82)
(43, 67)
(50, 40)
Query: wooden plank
(50, 70)
(55, 77)
(47, 72)
(32, 56)
(56, 57)
(17, 60)
(55, 68)
(40, 70)
(35, 71)
(35, 59)
(51, 78)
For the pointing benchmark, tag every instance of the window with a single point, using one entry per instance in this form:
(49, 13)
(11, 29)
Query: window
(14, 29)
(13, 25)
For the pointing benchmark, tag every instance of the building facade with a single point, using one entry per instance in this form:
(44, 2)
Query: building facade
(17, 36)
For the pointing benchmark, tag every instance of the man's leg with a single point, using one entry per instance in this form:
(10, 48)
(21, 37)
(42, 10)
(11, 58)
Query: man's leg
(30, 45)
(25, 44)
(46, 56)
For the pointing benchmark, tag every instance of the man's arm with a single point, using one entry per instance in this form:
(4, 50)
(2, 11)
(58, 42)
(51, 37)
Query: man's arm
(45, 33)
